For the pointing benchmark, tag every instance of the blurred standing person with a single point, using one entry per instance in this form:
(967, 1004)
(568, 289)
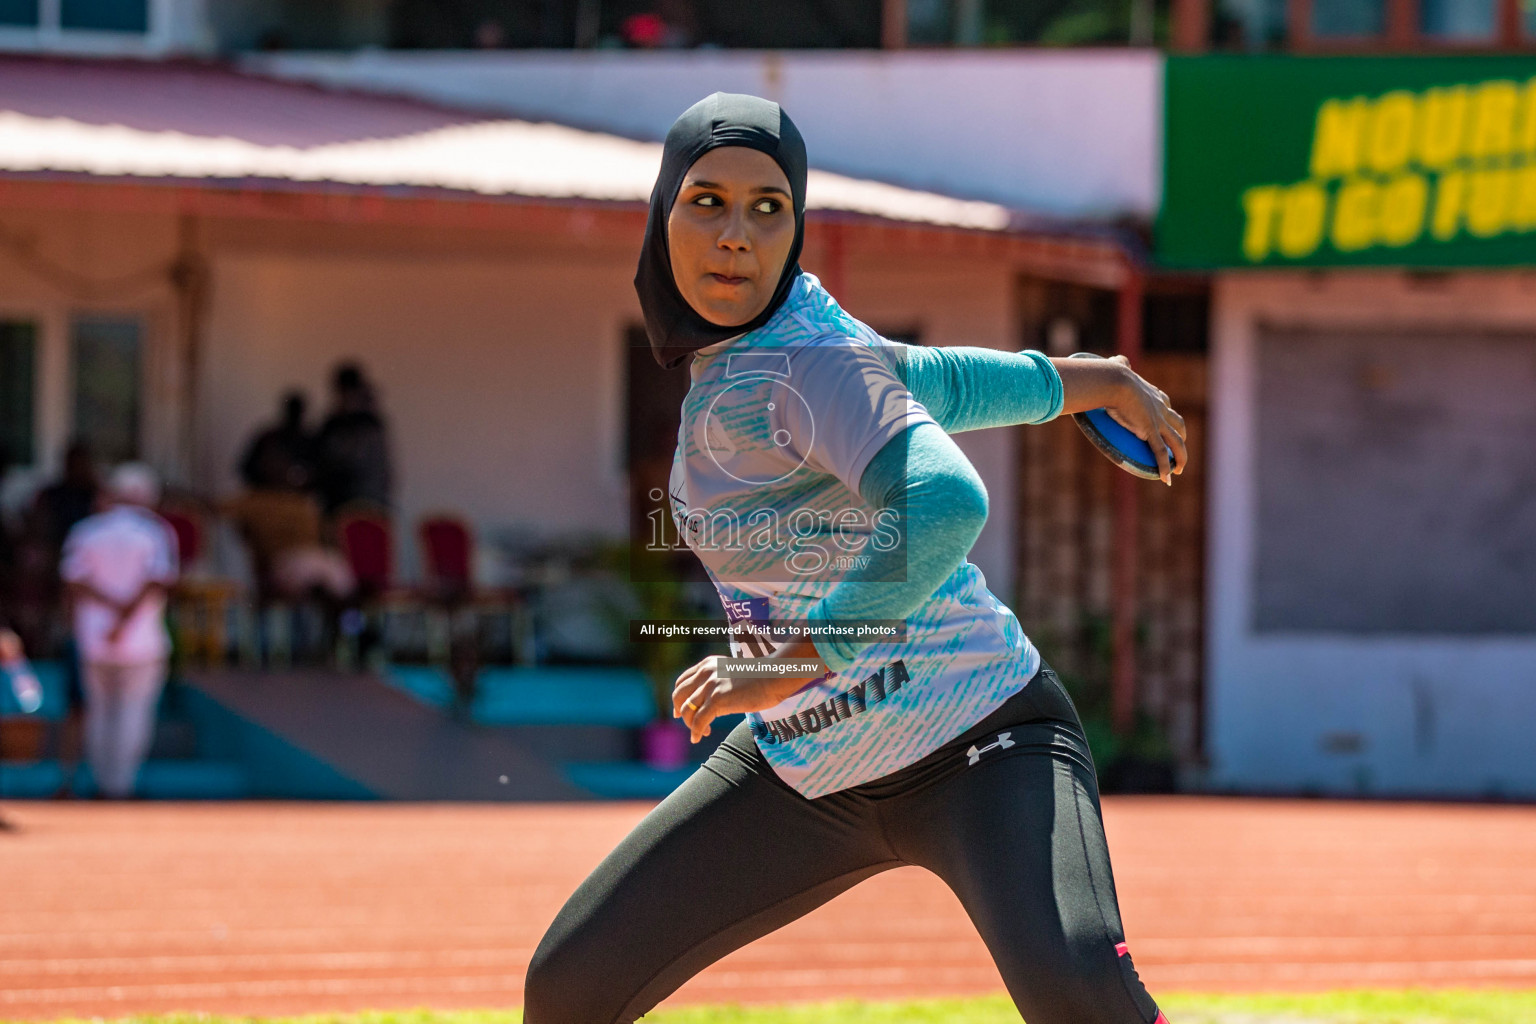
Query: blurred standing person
(352, 448)
(283, 454)
(66, 501)
(7, 545)
(13, 665)
(119, 566)
(55, 511)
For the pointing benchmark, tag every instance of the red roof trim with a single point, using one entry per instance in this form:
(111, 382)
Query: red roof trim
(1099, 262)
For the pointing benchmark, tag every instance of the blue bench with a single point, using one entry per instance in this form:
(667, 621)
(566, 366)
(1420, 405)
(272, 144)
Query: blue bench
(539, 695)
(158, 780)
(626, 780)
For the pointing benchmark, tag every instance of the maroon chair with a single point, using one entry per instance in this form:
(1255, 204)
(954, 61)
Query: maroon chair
(367, 538)
(447, 553)
(188, 527)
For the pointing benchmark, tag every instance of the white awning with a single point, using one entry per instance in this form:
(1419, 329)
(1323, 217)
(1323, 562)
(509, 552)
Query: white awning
(497, 157)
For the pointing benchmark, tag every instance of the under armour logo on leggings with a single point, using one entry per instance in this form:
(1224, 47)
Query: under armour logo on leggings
(1003, 743)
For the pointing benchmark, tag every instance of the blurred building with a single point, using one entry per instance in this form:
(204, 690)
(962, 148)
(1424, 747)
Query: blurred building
(1368, 224)
(207, 27)
(185, 242)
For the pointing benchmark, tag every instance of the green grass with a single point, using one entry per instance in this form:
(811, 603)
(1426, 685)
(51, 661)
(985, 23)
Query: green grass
(1399, 1007)
(1396, 1007)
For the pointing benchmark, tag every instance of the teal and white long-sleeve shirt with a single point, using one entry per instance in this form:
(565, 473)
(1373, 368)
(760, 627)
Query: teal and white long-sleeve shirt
(815, 479)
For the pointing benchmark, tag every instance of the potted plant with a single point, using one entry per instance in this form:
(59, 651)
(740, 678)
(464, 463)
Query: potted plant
(664, 741)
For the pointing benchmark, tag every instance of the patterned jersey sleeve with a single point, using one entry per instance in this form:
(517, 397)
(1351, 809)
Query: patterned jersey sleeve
(970, 388)
(851, 403)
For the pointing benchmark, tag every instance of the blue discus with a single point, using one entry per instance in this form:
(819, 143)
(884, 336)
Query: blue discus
(1117, 444)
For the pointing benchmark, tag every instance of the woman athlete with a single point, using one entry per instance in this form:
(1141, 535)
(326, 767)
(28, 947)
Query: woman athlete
(816, 479)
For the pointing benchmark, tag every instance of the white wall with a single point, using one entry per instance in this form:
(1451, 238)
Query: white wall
(1273, 698)
(501, 379)
(501, 372)
(499, 359)
(1068, 133)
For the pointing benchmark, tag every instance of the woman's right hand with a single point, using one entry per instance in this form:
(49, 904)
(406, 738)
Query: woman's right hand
(701, 694)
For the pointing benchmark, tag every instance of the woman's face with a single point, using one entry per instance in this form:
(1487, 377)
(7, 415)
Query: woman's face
(730, 231)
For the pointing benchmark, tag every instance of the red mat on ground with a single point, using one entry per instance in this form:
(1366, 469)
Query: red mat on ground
(286, 908)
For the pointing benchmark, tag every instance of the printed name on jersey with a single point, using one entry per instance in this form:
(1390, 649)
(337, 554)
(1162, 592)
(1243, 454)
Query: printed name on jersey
(853, 701)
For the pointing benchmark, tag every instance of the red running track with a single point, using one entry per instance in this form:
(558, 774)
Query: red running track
(255, 908)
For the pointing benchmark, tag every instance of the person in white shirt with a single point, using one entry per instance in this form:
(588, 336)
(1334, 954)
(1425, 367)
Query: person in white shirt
(119, 566)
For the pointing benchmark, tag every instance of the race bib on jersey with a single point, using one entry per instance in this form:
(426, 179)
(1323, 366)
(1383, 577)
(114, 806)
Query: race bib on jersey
(747, 616)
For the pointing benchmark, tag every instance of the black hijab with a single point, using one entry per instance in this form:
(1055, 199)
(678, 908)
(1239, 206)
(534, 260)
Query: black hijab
(725, 119)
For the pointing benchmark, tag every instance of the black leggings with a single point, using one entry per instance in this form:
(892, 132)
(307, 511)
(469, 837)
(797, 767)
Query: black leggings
(1007, 815)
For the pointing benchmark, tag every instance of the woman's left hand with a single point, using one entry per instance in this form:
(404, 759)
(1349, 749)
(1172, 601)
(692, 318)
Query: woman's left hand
(1145, 411)
(701, 694)
(1138, 406)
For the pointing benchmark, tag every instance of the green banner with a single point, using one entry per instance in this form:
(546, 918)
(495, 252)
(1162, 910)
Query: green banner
(1348, 161)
